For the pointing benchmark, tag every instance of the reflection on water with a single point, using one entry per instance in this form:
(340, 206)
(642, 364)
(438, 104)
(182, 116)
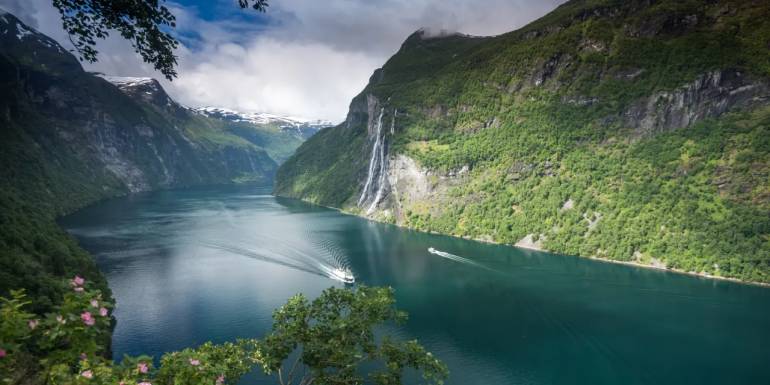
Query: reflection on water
(212, 264)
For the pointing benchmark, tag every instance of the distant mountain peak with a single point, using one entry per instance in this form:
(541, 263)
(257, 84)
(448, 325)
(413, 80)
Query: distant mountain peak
(257, 117)
(301, 126)
(435, 33)
(127, 80)
(151, 91)
(11, 26)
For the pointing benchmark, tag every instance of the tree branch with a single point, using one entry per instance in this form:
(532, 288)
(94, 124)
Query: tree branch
(307, 380)
(293, 367)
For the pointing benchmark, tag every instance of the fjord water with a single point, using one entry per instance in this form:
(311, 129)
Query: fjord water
(195, 265)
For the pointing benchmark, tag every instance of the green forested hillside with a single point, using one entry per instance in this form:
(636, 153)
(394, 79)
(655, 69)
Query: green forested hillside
(630, 130)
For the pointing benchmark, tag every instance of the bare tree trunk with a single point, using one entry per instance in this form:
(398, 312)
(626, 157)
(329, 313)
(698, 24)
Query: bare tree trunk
(291, 372)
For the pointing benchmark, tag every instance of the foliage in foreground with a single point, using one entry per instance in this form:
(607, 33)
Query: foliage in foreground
(144, 23)
(332, 337)
(327, 339)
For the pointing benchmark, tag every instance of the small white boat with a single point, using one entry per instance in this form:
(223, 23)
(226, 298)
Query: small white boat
(432, 250)
(344, 275)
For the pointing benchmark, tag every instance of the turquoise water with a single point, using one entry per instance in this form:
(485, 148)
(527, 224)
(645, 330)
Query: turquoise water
(211, 264)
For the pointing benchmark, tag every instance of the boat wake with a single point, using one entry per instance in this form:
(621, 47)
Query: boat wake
(292, 264)
(292, 258)
(456, 258)
(336, 264)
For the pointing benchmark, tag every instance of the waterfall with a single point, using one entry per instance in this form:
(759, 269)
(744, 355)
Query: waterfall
(380, 180)
(393, 123)
(375, 162)
(251, 162)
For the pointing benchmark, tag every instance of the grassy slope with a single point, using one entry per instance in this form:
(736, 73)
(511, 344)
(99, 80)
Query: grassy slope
(697, 198)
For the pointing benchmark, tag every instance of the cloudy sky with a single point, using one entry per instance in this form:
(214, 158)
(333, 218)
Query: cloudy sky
(304, 58)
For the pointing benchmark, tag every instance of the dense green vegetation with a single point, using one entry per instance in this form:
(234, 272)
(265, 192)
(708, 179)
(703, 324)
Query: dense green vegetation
(698, 199)
(324, 177)
(36, 185)
(334, 335)
(593, 128)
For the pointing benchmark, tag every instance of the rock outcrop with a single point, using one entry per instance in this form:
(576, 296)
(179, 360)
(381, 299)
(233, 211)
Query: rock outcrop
(710, 95)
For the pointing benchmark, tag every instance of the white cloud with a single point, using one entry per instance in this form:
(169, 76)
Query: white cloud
(308, 60)
(315, 80)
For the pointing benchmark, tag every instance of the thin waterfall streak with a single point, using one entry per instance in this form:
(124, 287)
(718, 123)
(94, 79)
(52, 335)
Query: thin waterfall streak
(370, 173)
(373, 160)
(381, 181)
(393, 123)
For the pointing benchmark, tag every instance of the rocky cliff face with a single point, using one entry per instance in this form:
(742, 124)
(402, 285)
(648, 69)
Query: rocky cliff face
(199, 155)
(631, 112)
(129, 127)
(710, 95)
(408, 182)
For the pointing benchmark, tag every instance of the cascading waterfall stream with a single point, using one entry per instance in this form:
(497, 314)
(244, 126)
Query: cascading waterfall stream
(380, 181)
(393, 122)
(376, 165)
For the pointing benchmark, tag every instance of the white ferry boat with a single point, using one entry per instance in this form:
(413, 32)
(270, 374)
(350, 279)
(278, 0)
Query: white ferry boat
(344, 275)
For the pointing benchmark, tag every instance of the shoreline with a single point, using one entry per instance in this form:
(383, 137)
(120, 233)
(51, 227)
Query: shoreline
(677, 271)
(534, 248)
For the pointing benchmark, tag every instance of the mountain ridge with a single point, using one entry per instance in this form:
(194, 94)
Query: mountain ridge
(303, 128)
(651, 118)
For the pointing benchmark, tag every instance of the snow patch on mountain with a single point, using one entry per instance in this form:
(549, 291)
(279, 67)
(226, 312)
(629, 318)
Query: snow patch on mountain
(11, 25)
(301, 126)
(151, 91)
(126, 80)
(257, 117)
(21, 31)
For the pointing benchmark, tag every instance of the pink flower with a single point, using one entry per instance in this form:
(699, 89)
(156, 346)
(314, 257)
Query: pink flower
(2, 353)
(194, 362)
(87, 374)
(103, 312)
(79, 289)
(144, 383)
(221, 379)
(142, 367)
(94, 303)
(77, 281)
(87, 318)
(32, 324)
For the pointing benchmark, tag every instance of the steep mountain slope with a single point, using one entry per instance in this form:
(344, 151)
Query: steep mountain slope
(69, 138)
(636, 131)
